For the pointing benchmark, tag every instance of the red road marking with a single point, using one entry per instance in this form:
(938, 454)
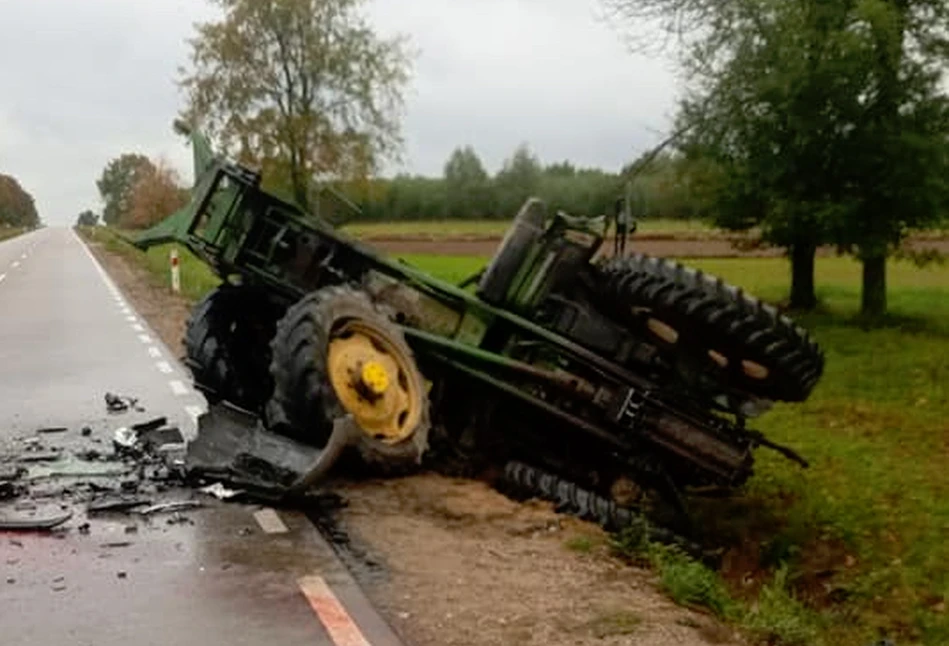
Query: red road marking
(340, 626)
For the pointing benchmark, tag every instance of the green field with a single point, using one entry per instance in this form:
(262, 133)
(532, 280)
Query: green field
(495, 228)
(863, 535)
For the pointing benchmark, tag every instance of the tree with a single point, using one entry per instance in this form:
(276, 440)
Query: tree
(17, 208)
(815, 122)
(155, 195)
(302, 88)
(518, 179)
(116, 183)
(87, 219)
(467, 185)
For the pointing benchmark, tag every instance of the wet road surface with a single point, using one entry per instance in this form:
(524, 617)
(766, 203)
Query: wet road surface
(224, 573)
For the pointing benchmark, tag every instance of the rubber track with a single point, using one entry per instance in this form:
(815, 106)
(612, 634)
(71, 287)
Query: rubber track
(523, 479)
(721, 313)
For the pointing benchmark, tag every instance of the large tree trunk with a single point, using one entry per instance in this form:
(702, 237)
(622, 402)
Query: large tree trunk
(873, 298)
(803, 296)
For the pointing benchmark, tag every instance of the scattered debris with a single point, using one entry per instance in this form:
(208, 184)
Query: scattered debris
(220, 492)
(116, 505)
(119, 404)
(116, 544)
(178, 505)
(37, 456)
(86, 431)
(125, 439)
(52, 429)
(33, 524)
(150, 425)
(121, 575)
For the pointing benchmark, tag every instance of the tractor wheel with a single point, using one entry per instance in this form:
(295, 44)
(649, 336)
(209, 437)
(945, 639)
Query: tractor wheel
(227, 345)
(337, 353)
(711, 329)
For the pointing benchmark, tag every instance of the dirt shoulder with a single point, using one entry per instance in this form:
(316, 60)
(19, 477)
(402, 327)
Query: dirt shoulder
(460, 564)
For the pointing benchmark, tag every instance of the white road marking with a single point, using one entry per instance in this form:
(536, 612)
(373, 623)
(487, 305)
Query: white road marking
(154, 352)
(2, 276)
(130, 319)
(138, 328)
(144, 338)
(23, 257)
(270, 521)
(178, 387)
(16, 263)
(164, 366)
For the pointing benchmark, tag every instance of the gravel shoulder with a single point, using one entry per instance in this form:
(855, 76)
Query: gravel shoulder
(459, 563)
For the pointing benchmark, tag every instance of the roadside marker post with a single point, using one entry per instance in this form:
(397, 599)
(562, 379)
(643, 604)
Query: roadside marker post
(175, 271)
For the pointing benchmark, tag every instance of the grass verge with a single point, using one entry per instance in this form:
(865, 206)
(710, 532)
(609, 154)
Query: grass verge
(10, 232)
(197, 279)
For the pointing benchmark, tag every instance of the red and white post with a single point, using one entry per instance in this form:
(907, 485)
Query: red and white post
(175, 271)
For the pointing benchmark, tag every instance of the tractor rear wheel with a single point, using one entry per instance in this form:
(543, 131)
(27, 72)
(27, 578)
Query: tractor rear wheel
(227, 345)
(713, 333)
(337, 353)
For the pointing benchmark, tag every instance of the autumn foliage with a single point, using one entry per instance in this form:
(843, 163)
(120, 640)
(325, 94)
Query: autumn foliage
(154, 196)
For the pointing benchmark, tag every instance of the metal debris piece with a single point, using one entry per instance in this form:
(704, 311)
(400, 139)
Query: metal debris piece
(178, 505)
(33, 524)
(162, 440)
(122, 504)
(52, 429)
(125, 438)
(39, 456)
(119, 404)
(220, 492)
(150, 425)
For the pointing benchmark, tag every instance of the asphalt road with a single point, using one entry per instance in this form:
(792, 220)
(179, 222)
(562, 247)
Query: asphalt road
(223, 574)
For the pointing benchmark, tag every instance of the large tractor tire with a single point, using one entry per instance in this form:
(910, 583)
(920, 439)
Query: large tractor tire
(227, 345)
(336, 353)
(711, 329)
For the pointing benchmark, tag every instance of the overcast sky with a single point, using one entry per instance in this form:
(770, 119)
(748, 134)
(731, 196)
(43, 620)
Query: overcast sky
(82, 81)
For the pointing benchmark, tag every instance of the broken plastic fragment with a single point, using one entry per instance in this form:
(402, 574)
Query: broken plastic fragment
(220, 492)
(32, 524)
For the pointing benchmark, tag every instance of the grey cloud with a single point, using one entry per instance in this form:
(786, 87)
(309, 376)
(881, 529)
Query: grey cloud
(85, 81)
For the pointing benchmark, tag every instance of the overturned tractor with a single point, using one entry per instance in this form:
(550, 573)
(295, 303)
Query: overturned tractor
(625, 375)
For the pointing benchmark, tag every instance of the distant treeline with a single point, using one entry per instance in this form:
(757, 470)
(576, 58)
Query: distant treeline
(466, 191)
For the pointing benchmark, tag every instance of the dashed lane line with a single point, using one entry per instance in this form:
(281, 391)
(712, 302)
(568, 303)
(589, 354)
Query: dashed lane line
(165, 367)
(15, 264)
(270, 521)
(144, 338)
(138, 328)
(2, 277)
(154, 352)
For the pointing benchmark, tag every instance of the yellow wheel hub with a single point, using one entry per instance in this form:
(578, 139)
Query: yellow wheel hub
(375, 381)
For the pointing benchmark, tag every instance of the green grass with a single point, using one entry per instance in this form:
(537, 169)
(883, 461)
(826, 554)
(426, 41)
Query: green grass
(496, 228)
(197, 279)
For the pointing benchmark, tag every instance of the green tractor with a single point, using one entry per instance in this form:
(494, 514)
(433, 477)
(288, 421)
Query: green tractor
(627, 375)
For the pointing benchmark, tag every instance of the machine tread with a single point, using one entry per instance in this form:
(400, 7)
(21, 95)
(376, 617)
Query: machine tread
(735, 323)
